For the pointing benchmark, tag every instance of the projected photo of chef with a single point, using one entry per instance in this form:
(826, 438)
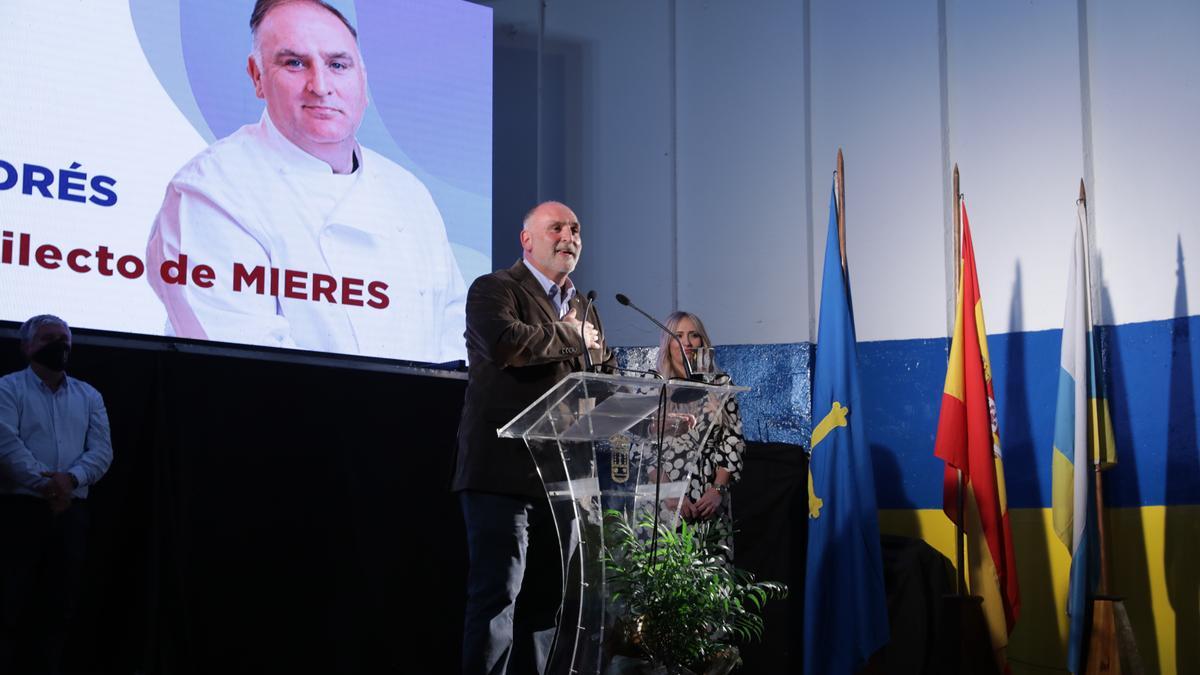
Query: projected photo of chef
(314, 241)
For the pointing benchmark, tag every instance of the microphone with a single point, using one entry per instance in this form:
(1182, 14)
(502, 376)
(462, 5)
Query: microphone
(687, 367)
(601, 367)
(587, 353)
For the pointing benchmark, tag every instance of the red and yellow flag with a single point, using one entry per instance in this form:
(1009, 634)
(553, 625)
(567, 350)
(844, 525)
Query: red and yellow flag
(968, 439)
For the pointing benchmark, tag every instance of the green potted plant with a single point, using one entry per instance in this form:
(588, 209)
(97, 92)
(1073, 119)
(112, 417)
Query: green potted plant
(678, 603)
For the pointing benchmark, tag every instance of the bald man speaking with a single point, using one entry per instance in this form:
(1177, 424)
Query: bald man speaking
(524, 328)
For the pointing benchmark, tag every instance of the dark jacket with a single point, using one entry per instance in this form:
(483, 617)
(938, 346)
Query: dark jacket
(518, 349)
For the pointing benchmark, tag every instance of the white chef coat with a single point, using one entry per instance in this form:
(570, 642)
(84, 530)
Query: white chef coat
(257, 199)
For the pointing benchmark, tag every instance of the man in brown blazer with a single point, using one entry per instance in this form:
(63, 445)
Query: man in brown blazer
(524, 328)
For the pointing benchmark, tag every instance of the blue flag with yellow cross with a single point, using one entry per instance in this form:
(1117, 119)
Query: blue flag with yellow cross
(845, 608)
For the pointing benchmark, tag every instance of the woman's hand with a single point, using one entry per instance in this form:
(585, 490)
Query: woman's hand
(680, 423)
(708, 505)
(687, 510)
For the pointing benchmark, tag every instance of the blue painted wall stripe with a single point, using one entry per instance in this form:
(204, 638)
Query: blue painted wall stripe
(1152, 371)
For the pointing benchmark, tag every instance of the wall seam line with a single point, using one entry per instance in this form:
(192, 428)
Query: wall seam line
(674, 150)
(950, 263)
(806, 30)
(537, 160)
(1089, 167)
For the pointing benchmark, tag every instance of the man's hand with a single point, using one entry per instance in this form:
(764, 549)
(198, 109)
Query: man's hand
(58, 489)
(59, 504)
(590, 334)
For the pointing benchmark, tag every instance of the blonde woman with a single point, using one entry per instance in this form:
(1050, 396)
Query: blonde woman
(718, 463)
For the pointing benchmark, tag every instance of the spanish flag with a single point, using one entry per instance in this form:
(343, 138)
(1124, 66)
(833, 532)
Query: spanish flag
(968, 439)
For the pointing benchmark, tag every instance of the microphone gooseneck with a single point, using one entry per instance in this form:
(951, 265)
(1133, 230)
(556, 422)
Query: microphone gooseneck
(587, 353)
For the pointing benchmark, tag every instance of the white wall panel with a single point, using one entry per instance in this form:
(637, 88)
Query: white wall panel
(875, 94)
(742, 239)
(616, 153)
(1016, 134)
(732, 208)
(1146, 129)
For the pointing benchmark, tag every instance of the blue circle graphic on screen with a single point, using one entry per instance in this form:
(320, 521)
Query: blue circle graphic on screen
(439, 110)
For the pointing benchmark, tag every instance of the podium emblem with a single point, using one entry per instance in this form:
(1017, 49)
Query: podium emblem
(620, 457)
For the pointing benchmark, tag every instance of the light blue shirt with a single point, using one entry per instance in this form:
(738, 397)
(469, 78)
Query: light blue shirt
(560, 299)
(43, 430)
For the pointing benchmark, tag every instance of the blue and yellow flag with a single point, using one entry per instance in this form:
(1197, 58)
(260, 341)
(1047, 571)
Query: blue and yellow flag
(1082, 439)
(845, 607)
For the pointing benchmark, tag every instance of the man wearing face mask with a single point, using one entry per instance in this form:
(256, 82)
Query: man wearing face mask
(54, 444)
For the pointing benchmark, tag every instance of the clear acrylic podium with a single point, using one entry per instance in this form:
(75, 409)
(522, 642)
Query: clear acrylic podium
(594, 439)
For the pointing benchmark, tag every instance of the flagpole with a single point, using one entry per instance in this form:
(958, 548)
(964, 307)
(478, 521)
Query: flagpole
(841, 200)
(969, 647)
(957, 230)
(1101, 531)
(959, 534)
(1111, 648)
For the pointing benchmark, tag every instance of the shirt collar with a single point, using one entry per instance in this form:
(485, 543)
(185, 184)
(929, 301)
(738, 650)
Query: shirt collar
(296, 157)
(549, 286)
(36, 382)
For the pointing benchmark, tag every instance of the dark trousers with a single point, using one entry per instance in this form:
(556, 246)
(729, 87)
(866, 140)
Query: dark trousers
(514, 584)
(41, 569)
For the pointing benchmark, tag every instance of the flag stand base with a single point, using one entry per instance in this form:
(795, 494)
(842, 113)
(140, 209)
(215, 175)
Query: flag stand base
(968, 647)
(1111, 646)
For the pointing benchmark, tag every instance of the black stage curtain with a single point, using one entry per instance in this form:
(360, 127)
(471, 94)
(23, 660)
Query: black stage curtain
(770, 511)
(771, 516)
(917, 578)
(269, 517)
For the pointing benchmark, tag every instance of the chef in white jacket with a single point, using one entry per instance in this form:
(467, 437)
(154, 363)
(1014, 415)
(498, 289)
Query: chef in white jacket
(314, 241)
